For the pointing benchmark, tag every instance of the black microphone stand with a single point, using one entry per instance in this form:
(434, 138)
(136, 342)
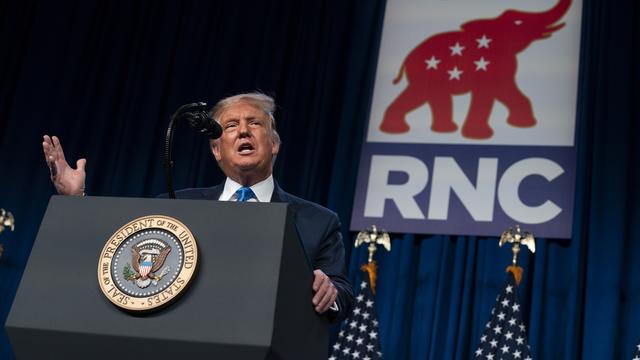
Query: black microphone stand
(196, 114)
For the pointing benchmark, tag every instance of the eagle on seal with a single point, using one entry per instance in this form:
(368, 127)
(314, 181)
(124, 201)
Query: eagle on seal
(147, 258)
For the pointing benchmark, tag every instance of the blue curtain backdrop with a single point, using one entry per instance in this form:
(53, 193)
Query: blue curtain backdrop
(105, 76)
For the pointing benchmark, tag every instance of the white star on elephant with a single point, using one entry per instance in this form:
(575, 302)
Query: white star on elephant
(432, 63)
(483, 42)
(455, 73)
(456, 49)
(481, 64)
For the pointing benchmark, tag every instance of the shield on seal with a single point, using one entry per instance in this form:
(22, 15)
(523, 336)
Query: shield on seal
(145, 266)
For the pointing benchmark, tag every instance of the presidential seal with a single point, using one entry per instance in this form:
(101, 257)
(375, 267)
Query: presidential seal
(147, 263)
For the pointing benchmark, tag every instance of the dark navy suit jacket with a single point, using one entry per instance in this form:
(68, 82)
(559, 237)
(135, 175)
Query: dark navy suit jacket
(319, 231)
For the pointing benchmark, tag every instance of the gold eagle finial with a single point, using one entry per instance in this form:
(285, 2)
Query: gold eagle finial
(6, 221)
(373, 237)
(516, 238)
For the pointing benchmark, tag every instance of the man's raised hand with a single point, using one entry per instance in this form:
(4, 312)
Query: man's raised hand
(68, 181)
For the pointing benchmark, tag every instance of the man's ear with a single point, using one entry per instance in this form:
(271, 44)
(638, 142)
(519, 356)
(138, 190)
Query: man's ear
(275, 148)
(215, 149)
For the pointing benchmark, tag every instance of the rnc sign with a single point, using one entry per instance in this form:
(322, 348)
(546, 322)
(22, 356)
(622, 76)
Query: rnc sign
(472, 124)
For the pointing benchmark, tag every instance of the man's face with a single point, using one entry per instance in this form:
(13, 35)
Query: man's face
(246, 147)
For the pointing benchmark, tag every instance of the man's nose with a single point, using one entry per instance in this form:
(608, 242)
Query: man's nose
(243, 128)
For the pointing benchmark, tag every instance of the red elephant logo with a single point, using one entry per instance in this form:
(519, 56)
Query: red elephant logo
(480, 59)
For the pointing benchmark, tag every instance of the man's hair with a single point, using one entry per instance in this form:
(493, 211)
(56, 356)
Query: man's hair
(258, 100)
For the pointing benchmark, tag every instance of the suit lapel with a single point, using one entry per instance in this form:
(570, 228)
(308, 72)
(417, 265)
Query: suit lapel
(281, 196)
(278, 194)
(214, 192)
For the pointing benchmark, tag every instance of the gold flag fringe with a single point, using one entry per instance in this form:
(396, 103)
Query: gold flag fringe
(371, 268)
(516, 271)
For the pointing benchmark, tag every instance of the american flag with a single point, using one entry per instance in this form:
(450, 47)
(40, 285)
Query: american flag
(505, 335)
(636, 354)
(358, 338)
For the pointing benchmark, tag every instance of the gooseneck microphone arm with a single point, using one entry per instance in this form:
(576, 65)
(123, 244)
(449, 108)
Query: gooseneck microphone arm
(198, 117)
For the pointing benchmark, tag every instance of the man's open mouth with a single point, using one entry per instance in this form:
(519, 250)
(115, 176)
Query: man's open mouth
(245, 148)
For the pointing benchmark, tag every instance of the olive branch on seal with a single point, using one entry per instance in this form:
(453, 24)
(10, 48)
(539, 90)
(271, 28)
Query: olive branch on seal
(128, 273)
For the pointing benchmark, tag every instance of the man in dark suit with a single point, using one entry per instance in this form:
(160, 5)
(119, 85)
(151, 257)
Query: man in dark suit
(246, 152)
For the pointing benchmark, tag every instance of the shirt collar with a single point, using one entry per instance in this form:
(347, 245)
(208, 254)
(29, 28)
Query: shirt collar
(263, 190)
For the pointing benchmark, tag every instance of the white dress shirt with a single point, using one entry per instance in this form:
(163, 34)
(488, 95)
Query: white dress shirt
(263, 190)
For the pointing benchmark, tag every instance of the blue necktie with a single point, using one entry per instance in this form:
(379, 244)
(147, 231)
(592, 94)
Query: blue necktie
(244, 193)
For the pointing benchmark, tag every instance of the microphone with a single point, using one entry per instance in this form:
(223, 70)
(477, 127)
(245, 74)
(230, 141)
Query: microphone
(200, 119)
